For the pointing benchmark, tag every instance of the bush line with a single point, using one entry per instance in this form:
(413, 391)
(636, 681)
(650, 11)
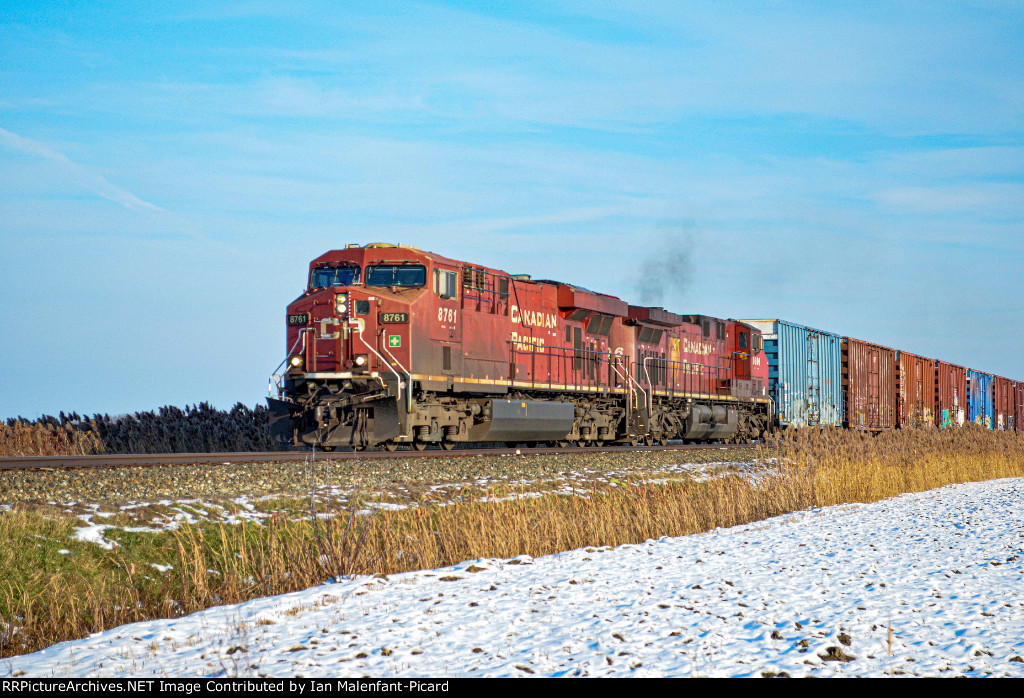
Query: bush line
(196, 429)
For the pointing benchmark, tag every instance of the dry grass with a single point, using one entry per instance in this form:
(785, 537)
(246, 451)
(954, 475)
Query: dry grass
(817, 469)
(44, 439)
(216, 564)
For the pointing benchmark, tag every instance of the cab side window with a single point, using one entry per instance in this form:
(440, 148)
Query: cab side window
(446, 284)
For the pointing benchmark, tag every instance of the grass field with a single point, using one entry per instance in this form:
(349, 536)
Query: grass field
(57, 586)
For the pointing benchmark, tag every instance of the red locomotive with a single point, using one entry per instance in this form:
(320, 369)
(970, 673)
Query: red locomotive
(390, 344)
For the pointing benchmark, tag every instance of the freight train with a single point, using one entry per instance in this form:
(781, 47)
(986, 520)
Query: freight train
(818, 378)
(390, 345)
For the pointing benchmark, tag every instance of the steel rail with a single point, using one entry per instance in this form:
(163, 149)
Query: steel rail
(167, 459)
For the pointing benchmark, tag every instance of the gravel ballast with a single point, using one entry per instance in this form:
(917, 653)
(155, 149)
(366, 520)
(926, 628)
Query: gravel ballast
(392, 480)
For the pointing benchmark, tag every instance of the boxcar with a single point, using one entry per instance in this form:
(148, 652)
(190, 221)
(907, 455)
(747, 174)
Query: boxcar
(980, 404)
(916, 390)
(870, 384)
(950, 395)
(1002, 394)
(1018, 405)
(804, 373)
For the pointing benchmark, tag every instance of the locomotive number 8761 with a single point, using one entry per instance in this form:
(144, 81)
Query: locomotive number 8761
(390, 344)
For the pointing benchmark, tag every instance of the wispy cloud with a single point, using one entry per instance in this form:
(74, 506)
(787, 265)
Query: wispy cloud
(80, 175)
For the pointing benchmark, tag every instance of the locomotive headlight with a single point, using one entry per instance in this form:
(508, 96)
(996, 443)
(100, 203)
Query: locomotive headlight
(360, 360)
(295, 361)
(340, 303)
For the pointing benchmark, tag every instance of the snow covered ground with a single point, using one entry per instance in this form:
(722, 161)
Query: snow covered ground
(926, 584)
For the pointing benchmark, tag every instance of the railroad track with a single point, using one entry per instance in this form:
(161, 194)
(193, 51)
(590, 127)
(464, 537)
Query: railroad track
(132, 460)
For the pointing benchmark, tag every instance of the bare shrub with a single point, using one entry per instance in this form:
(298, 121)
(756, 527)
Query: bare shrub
(195, 429)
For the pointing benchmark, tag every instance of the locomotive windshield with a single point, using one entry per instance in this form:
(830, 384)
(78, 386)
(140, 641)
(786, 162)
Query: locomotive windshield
(396, 275)
(334, 276)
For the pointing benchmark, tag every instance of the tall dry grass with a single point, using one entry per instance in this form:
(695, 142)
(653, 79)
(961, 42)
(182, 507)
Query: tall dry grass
(811, 469)
(20, 438)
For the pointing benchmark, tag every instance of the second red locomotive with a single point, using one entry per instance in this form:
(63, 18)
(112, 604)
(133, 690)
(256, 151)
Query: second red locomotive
(390, 344)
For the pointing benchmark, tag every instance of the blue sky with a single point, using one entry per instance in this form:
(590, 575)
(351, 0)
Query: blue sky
(168, 170)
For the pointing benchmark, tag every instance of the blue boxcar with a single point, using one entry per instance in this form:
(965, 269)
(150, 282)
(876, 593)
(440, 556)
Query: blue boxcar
(980, 407)
(804, 373)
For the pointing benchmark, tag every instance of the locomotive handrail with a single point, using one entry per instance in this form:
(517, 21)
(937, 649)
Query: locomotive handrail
(630, 383)
(398, 379)
(738, 356)
(703, 372)
(616, 363)
(561, 354)
(627, 379)
(651, 384)
(408, 391)
(275, 376)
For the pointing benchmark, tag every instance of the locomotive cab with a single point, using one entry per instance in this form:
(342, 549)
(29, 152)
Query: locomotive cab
(349, 342)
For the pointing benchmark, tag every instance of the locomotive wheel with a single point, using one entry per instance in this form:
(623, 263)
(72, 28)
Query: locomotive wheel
(388, 445)
(419, 445)
(447, 445)
(563, 444)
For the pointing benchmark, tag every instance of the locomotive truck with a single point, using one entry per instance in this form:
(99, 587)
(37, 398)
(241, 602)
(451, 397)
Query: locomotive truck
(392, 345)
